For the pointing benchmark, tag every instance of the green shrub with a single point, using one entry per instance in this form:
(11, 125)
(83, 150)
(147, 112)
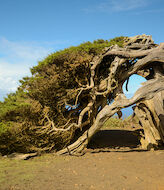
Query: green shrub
(114, 122)
(91, 48)
(3, 128)
(54, 82)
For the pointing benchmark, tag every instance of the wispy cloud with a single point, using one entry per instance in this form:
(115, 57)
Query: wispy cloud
(10, 75)
(118, 5)
(17, 57)
(149, 11)
(22, 50)
(126, 5)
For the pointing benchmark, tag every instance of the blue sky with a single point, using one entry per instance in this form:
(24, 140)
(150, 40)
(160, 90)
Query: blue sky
(31, 29)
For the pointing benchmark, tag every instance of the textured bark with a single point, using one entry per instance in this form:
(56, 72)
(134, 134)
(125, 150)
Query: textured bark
(151, 116)
(144, 93)
(139, 56)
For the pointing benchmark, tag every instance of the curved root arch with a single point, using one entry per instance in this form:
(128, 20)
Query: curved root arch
(108, 72)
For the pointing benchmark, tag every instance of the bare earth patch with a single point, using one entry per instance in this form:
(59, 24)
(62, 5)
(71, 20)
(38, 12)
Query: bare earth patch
(118, 164)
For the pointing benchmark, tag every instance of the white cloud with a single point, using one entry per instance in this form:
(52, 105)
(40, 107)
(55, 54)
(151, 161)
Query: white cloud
(149, 11)
(10, 75)
(126, 5)
(22, 50)
(118, 5)
(15, 60)
(17, 57)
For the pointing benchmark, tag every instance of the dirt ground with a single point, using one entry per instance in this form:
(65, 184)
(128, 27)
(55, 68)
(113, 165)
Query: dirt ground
(113, 162)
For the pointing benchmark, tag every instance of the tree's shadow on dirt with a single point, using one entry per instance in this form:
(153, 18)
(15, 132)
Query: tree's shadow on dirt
(114, 139)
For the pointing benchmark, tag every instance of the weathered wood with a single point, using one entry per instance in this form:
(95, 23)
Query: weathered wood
(156, 107)
(21, 156)
(147, 91)
(141, 56)
(151, 134)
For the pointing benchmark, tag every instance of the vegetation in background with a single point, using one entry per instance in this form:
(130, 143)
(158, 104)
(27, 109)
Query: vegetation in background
(115, 122)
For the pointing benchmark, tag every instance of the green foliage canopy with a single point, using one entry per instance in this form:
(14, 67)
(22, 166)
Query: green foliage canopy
(54, 84)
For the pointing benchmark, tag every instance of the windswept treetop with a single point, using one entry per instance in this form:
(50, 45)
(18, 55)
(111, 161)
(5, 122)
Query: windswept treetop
(73, 92)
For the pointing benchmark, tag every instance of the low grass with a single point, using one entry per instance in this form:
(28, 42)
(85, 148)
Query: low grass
(115, 122)
(16, 174)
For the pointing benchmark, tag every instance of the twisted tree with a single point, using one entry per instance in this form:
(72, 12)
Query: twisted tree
(139, 56)
(73, 92)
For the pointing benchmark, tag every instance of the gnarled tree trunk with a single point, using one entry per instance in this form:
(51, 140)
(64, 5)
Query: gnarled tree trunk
(139, 56)
(151, 116)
